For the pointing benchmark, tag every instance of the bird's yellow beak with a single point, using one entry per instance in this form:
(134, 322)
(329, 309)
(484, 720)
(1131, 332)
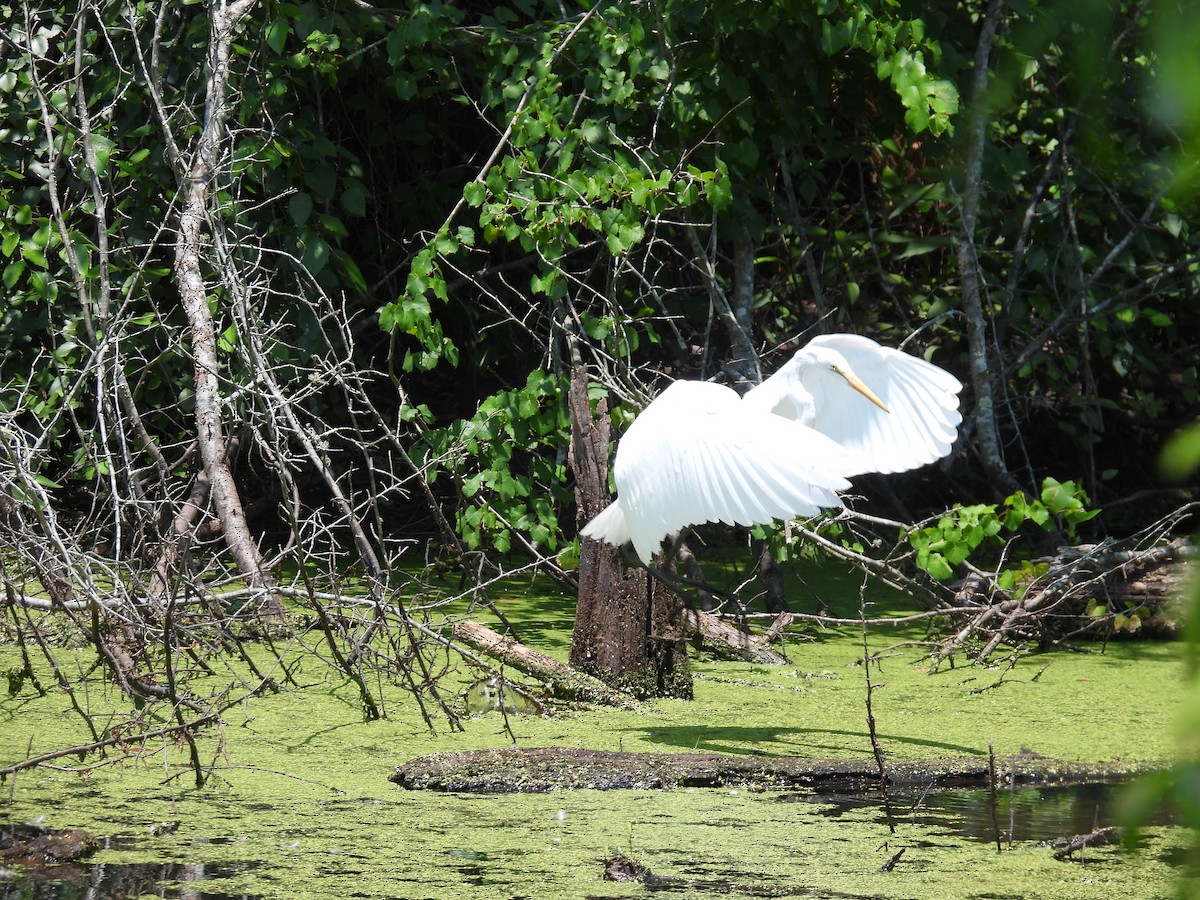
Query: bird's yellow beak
(855, 382)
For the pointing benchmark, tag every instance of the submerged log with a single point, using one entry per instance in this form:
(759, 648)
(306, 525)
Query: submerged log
(561, 680)
(1101, 837)
(36, 846)
(539, 770)
(626, 869)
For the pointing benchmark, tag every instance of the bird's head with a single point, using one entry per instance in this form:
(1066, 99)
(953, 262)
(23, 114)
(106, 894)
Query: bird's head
(829, 360)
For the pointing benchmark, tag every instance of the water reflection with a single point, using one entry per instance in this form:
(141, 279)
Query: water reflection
(115, 881)
(1030, 813)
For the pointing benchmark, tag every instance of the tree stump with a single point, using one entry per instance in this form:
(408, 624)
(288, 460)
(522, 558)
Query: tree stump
(626, 622)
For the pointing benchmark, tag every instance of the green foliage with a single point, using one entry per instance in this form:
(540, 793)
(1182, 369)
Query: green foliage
(822, 133)
(582, 169)
(1179, 785)
(505, 463)
(623, 128)
(965, 529)
(955, 537)
(1096, 299)
(75, 273)
(1067, 502)
(52, 274)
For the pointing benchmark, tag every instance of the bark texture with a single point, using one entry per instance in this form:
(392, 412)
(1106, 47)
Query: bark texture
(724, 640)
(983, 414)
(626, 632)
(561, 680)
(189, 275)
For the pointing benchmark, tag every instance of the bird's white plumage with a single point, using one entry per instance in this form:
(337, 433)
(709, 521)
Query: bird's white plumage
(922, 417)
(700, 453)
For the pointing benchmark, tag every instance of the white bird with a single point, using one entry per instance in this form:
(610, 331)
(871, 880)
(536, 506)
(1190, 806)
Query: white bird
(842, 406)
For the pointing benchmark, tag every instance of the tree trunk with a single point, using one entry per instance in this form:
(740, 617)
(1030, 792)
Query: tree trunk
(983, 414)
(194, 213)
(626, 622)
(744, 357)
(775, 598)
(736, 316)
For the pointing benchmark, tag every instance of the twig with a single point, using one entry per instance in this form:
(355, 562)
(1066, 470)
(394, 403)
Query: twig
(876, 748)
(992, 802)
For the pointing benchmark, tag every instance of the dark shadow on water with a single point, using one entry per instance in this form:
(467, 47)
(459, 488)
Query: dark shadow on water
(117, 881)
(1036, 814)
(801, 741)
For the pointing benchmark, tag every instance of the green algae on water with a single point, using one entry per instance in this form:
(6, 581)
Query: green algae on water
(299, 803)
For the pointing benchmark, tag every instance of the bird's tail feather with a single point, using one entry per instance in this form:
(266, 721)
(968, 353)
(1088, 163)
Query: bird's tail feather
(609, 526)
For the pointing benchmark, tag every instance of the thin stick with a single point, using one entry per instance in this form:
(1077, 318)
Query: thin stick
(991, 773)
(875, 746)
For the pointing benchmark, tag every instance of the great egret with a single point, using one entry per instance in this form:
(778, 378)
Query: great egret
(843, 405)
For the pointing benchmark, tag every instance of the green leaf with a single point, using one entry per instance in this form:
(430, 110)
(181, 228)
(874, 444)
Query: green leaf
(300, 207)
(475, 193)
(354, 199)
(13, 272)
(316, 254)
(1180, 457)
(34, 255)
(351, 273)
(103, 148)
(227, 339)
(277, 33)
(936, 565)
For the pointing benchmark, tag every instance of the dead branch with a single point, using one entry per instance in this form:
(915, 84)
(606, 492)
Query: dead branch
(196, 184)
(1081, 591)
(1099, 838)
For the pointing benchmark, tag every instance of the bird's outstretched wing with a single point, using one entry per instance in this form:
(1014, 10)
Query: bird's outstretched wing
(922, 416)
(922, 400)
(697, 454)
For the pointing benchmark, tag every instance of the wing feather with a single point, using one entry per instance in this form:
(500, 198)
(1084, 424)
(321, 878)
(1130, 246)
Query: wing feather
(922, 400)
(697, 455)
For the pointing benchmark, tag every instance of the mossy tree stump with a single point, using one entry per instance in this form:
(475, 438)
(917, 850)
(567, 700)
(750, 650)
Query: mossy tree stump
(627, 631)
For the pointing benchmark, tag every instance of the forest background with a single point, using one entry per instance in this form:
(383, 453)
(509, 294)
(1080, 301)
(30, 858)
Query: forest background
(293, 291)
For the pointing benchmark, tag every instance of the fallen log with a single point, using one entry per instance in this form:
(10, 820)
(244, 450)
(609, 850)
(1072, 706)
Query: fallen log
(1101, 837)
(37, 846)
(539, 770)
(559, 679)
(724, 640)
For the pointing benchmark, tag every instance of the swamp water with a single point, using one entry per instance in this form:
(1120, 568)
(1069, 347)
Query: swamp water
(699, 843)
(299, 804)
